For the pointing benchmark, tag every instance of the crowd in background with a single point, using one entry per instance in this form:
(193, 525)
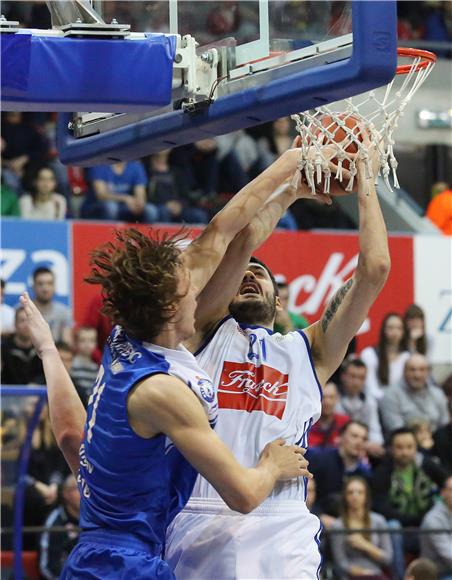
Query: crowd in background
(380, 452)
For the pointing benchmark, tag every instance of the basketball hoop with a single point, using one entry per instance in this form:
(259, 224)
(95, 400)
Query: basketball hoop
(372, 115)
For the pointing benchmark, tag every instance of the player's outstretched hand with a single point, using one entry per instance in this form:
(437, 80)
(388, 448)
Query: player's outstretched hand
(40, 334)
(288, 460)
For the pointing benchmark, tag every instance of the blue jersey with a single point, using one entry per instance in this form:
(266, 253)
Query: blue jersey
(129, 483)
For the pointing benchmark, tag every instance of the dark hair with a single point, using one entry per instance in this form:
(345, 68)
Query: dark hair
(42, 270)
(383, 362)
(61, 345)
(254, 260)
(415, 311)
(345, 427)
(367, 506)
(422, 569)
(352, 361)
(401, 431)
(139, 279)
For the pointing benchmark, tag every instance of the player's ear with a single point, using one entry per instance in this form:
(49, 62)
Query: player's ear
(278, 304)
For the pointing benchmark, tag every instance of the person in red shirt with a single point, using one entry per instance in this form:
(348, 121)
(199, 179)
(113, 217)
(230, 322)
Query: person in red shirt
(439, 210)
(326, 432)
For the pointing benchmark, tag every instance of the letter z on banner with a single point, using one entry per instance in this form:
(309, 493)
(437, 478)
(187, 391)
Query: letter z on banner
(246, 387)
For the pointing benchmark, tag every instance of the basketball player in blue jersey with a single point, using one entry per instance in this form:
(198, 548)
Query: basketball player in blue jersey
(152, 407)
(269, 385)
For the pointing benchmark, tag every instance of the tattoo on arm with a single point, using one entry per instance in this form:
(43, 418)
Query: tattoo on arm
(334, 304)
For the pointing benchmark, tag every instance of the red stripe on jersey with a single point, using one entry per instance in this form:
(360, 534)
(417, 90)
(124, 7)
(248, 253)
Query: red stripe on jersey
(245, 387)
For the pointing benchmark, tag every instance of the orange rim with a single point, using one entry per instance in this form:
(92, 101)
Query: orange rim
(426, 56)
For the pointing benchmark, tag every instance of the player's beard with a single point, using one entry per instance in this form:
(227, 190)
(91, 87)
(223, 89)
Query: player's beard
(254, 311)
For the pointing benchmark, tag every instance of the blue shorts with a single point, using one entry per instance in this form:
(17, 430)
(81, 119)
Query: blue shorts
(112, 555)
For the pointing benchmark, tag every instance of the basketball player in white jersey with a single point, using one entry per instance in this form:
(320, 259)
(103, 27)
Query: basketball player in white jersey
(269, 386)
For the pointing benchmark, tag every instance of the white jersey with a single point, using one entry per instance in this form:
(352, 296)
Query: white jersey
(267, 389)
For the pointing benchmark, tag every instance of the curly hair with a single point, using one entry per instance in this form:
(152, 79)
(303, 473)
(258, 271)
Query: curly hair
(139, 279)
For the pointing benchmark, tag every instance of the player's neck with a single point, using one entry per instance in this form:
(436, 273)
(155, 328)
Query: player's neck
(168, 338)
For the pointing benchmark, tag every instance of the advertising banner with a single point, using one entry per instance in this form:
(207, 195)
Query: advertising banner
(27, 245)
(433, 292)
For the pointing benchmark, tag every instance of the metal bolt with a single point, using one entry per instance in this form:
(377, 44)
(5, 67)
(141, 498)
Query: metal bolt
(207, 56)
(78, 21)
(114, 21)
(178, 58)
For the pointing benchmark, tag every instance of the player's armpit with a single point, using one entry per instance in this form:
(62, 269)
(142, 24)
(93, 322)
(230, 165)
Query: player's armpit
(163, 404)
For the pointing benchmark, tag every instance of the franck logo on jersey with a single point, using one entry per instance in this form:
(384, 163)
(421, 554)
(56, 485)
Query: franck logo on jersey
(246, 387)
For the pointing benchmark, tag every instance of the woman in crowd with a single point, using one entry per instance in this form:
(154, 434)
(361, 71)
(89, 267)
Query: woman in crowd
(385, 362)
(43, 203)
(416, 338)
(360, 555)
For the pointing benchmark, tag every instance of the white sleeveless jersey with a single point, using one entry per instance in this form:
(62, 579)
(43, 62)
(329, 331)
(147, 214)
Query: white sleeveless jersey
(267, 389)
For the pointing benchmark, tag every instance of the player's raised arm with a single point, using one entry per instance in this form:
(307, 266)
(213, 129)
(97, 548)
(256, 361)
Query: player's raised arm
(204, 255)
(163, 404)
(348, 308)
(67, 414)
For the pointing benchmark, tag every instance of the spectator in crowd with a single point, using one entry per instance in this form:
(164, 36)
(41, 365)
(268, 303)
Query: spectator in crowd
(402, 490)
(66, 354)
(167, 190)
(43, 203)
(95, 318)
(55, 547)
(421, 569)
(416, 338)
(21, 144)
(447, 387)
(20, 364)
(7, 312)
(360, 554)
(120, 190)
(84, 369)
(47, 469)
(385, 362)
(439, 210)
(9, 202)
(55, 313)
(442, 447)
(287, 321)
(414, 397)
(276, 142)
(438, 547)
(327, 431)
(426, 457)
(358, 406)
(331, 466)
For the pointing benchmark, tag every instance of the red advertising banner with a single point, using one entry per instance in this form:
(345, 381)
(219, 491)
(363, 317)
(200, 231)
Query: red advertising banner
(314, 264)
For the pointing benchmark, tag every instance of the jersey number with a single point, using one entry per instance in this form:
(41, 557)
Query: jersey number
(260, 348)
(94, 401)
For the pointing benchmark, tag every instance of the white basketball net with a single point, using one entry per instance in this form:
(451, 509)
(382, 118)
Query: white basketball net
(377, 114)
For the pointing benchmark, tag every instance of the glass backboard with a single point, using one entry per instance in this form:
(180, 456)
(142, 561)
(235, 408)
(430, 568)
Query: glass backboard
(274, 58)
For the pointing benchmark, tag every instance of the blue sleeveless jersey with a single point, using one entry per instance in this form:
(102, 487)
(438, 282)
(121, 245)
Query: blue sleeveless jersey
(128, 483)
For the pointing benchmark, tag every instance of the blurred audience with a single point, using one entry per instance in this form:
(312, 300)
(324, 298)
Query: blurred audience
(120, 191)
(56, 546)
(360, 554)
(83, 369)
(94, 318)
(331, 466)
(43, 203)
(357, 405)
(287, 321)
(414, 397)
(421, 569)
(20, 365)
(438, 547)
(442, 446)
(57, 315)
(326, 432)
(66, 354)
(416, 337)
(9, 202)
(385, 362)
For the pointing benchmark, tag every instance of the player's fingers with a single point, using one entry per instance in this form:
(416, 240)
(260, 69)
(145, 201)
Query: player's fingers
(279, 441)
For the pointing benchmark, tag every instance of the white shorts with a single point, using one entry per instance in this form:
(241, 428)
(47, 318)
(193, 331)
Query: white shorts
(279, 539)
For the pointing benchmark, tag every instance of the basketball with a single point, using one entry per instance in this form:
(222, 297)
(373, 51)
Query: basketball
(345, 138)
